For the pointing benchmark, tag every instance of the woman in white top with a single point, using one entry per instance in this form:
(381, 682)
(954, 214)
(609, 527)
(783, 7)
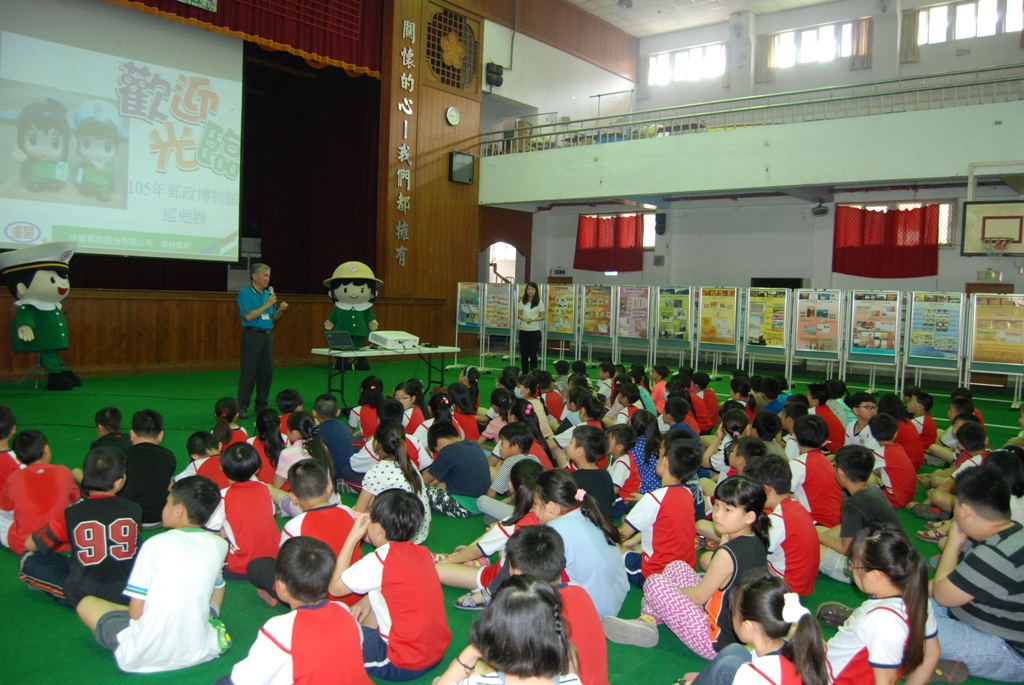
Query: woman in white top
(531, 313)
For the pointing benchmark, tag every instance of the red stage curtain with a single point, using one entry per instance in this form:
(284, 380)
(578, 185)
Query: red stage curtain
(893, 244)
(341, 33)
(610, 243)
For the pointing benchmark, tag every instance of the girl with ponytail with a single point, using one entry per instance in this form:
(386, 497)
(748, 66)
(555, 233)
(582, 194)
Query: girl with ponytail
(695, 608)
(788, 647)
(526, 412)
(395, 470)
(739, 390)
(716, 454)
(646, 450)
(363, 419)
(521, 635)
(592, 557)
(410, 394)
(441, 410)
(306, 443)
(894, 630)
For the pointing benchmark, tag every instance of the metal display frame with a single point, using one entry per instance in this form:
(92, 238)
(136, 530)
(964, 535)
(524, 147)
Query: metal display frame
(917, 362)
(971, 366)
(685, 346)
(755, 352)
(718, 349)
(834, 360)
(466, 329)
(629, 342)
(590, 339)
(574, 337)
(872, 360)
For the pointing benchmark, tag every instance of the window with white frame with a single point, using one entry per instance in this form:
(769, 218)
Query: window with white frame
(946, 228)
(650, 221)
(815, 44)
(962, 20)
(691, 64)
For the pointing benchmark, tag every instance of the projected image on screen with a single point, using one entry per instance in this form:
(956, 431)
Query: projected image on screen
(120, 155)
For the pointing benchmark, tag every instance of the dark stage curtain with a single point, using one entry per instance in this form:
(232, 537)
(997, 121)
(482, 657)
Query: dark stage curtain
(341, 33)
(893, 244)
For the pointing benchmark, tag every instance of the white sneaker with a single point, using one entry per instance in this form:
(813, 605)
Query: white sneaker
(636, 632)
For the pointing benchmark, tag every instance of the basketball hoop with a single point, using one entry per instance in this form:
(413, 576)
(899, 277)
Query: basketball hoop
(995, 247)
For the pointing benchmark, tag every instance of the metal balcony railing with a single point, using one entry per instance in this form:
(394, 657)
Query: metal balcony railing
(934, 91)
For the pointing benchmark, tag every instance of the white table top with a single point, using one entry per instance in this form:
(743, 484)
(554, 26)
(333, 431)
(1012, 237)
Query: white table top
(381, 352)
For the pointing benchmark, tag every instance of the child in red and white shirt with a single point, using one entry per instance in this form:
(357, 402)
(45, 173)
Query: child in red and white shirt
(896, 474)
(794, 551)
(705, 392)
(814, 479)
(321, 517)
(403, 591)
(226, 430)
(665, 517)
(245, 514)
(9, 462)
(623, 470)
(629, 400)
(319, 640)
(874, 643)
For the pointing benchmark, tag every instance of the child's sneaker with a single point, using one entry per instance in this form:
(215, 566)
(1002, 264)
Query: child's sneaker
(266, 597)
(223, 639)
(640, 632)
(833, 614)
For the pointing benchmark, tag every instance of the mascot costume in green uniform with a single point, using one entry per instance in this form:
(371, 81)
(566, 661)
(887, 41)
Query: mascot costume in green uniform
(37, 277)
(353, 287)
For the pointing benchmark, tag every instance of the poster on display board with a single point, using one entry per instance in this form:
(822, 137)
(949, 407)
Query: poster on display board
(562, 309)
(999, 329)
(718, 316)
(674, 314)
(469, 305)
(498, 307)
(817, 318)
(597, 310)
(634, 311)
(935, 325)
(766, 317)
(874, 319)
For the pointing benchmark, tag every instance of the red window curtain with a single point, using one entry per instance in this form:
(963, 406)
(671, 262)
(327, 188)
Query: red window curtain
(341, 33)
(895, 244)
(610, 243)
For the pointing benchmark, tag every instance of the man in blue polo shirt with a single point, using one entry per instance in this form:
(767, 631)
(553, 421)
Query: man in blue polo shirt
(259, 308)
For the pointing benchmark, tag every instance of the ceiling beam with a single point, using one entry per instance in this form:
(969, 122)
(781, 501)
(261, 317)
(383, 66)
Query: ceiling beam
(817, 194)
(1016, 182)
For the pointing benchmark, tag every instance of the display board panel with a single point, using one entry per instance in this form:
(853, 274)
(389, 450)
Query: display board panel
(767, 316)
(561, 311)
(998, 330)
(874, 324)
(935, 326)
(673, 324)
(817, 324)
(718, 318)
(634, 312)
(469, 307)
(498, 307)
(597, 311)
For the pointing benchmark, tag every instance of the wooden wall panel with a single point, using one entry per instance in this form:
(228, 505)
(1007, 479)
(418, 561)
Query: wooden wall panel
(562, 25)
(127, 331)
(507, 226)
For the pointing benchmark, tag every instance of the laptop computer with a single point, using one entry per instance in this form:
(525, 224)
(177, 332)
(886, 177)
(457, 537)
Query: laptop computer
(339, 341)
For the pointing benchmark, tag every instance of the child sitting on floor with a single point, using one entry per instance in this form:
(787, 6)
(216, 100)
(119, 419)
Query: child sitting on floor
(171, 628)
(108, 431)
(794, 552)
(99, 563)
(201, 447)
(226, 430)
(893, 469)
(319, 643)
(665, 517)
(405, 631)
(695, 608)
(588, 446)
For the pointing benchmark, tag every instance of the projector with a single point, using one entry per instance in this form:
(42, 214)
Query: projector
(393, 340)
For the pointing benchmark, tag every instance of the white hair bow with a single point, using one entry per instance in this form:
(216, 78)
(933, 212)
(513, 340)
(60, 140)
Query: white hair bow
(792, 609)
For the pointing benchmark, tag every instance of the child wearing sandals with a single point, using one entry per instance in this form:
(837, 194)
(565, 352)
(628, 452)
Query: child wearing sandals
(695, 609)
(788, 647)
(468, 568)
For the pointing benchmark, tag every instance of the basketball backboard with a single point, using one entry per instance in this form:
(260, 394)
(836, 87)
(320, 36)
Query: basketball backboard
(992, 221)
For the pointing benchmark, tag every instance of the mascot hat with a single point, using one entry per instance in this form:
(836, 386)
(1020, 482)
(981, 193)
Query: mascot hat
(46, 256)
(352, 270)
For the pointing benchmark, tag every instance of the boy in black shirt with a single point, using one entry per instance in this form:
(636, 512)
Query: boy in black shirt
(150, 467)
(108, 428)
(588, 445)
(866, 504)
(103, 531)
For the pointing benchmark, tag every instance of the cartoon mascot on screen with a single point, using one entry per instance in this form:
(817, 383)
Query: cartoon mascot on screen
(353, 287)
(37, 277)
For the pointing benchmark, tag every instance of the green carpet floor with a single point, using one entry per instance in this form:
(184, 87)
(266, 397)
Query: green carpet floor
(45, 643)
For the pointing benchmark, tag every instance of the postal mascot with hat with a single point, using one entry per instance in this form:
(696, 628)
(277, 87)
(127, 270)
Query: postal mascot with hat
(38, 279)
(353, 287)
